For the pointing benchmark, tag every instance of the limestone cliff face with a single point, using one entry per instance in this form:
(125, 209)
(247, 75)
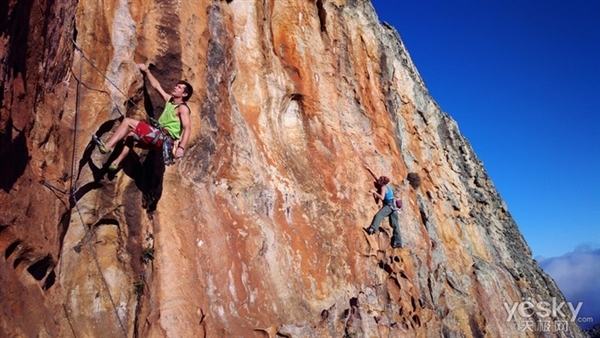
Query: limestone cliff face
(258, 230)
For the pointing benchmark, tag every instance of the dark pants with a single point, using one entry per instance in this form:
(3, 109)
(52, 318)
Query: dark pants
(386, 211)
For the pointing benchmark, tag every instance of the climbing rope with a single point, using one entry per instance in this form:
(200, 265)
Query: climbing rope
(101, 73)
(77, 98)
(88, 238)
(53, 187)
(79, 81)
(74, 183)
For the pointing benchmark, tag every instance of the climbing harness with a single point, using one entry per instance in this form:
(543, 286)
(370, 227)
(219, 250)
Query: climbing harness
(397, 205)
(163, 136)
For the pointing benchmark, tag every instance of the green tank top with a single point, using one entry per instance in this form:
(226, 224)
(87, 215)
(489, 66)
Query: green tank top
(169, 121)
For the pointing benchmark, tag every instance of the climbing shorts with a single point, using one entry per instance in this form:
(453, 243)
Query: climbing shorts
(148, 134)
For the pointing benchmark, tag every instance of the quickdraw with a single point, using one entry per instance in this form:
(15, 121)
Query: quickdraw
(166, 142)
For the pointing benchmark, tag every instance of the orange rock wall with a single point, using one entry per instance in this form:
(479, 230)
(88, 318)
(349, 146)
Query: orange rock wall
(258, 230)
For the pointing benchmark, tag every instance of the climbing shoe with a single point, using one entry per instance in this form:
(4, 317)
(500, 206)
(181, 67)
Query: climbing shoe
(113, 167)
(397, 245)
(101, 146)
(370, 230)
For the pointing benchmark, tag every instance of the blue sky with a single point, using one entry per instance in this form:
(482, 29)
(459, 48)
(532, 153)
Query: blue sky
(522, 79)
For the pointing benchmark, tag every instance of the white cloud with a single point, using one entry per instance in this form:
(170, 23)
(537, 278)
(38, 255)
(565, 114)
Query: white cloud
(577, 274)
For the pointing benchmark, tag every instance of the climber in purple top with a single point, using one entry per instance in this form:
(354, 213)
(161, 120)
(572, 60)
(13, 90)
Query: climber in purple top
(388, 209)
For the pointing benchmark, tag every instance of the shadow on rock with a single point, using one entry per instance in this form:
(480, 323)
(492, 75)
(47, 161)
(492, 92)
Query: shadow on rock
(14, 156)
(147, 174)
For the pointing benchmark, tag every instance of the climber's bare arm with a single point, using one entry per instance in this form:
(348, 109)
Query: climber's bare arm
(154, 82)
(184, 117)
(371, 172)
(379, 194)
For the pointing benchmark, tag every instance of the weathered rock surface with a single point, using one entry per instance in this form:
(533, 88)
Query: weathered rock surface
(258, 230)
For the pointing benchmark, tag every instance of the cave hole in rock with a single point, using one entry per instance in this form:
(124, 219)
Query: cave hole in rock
(345, 314)
(384, 266)
(422, 114)
(11, 248)
(416, 320)
(293, 122)
(19, 260)
(395, 281)
(424, 218)
(429, 285)
(322, 16)
(39, 269)
(50, 280)
(324, 314)
(106, 221)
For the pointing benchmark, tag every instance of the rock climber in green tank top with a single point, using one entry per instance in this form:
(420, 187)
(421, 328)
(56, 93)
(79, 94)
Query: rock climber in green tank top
(174, 121)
